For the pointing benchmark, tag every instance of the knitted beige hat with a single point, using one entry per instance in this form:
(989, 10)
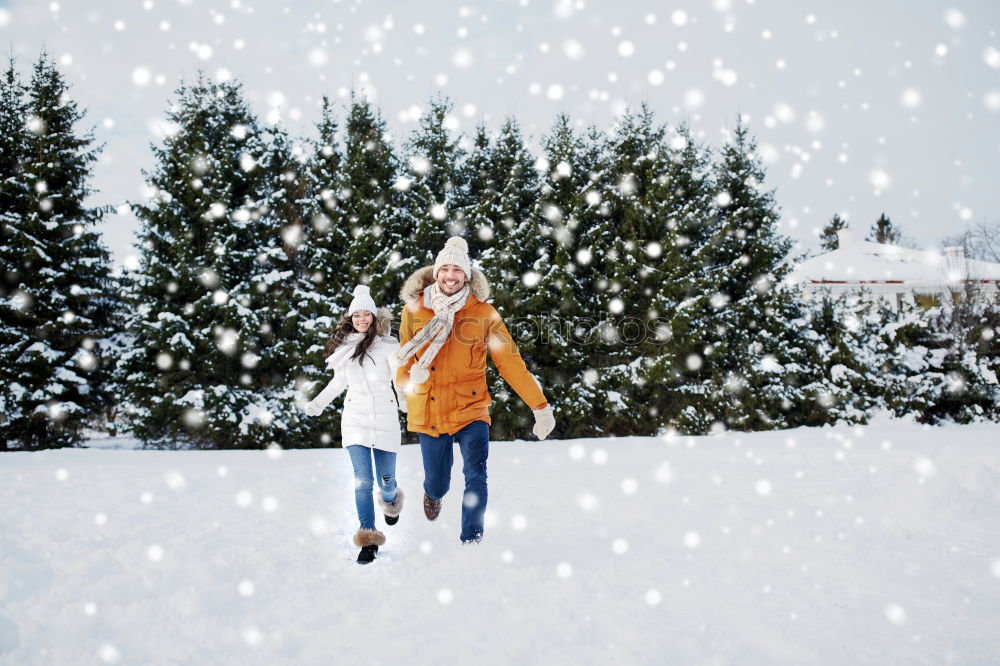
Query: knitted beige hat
(456, 251)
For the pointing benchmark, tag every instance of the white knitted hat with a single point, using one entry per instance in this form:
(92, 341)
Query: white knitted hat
(456, 251)
(362, 300)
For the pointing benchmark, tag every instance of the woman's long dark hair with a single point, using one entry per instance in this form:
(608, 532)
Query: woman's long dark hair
(345, 327)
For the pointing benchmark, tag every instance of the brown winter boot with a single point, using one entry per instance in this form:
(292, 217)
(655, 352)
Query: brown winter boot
(432, 507)
(391, 510)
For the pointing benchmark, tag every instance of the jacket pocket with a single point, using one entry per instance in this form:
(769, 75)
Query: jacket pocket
(471, 400)
(418, 405)
(477, 355)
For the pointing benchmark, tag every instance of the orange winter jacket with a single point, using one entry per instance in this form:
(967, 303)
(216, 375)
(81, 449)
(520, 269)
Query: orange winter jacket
(456, 394)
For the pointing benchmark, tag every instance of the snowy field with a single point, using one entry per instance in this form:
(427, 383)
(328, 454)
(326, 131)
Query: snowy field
(876, 545)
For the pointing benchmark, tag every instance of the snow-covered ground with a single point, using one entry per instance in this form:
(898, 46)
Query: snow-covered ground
(876, 545)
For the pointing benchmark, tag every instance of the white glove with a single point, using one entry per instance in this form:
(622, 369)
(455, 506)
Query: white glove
(545, 421)
(401, 401)
(312, 409)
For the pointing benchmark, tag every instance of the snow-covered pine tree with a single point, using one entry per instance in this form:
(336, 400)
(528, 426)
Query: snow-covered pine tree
(510, 214)
(14, 192)
(884, 231)
(57, 305)
(592, 226)
(676, 333)
(750, 349)
(515, 181)
(326, 237)
(367, 208)
(912, 380)
(556, 293)
(846, 365)
(475, 202)
(426, 209)
(639, 184)
(508, 220)
(828, 240)
(947, 359)
(322, 251)
(16, 322)
(13, 119)
(203, 371)
(275, 283)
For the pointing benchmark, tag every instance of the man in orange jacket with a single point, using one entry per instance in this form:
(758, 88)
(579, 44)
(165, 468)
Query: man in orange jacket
(446, 329)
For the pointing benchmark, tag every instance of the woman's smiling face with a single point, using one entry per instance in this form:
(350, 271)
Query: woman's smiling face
(362, 320)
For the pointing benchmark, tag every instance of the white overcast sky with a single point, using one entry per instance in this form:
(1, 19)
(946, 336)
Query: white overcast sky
(859, 107)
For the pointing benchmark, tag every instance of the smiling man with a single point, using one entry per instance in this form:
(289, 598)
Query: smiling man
(447, 327)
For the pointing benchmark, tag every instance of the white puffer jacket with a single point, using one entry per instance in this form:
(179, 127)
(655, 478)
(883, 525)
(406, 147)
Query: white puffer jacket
(370, 408)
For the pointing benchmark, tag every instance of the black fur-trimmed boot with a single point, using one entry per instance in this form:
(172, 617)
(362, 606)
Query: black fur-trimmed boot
(368, 541)
(392, 509)
(367, 554)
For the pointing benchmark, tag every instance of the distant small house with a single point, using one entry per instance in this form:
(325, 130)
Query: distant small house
(896, 274)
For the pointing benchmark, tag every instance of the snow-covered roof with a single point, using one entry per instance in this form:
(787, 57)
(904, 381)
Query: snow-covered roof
(864, 262)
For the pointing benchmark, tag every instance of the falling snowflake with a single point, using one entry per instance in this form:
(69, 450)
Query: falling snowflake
(895, 614)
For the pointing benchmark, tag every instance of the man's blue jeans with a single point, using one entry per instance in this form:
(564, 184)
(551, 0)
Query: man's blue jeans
(385, 466)
(439, 455)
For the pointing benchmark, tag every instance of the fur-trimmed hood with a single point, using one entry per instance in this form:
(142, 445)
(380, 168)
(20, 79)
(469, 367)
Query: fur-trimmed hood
(422, 278)
(383, 322)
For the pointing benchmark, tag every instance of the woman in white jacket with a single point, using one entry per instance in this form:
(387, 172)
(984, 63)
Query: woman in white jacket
(362, 355)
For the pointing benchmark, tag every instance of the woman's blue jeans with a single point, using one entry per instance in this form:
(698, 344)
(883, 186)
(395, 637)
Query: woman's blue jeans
(385, 468)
